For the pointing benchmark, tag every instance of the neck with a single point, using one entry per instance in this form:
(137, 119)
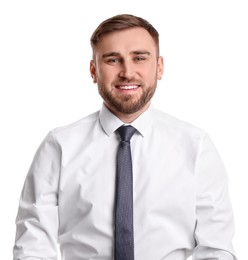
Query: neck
(128, 118)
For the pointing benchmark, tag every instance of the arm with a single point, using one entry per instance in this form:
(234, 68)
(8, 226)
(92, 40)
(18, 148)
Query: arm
(37, 219)
(214, 227)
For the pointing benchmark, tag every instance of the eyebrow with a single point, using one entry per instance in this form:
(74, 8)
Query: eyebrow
(114, 54)
(110, 54)
(143, 52)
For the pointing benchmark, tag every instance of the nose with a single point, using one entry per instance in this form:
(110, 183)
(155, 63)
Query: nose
(127, 70)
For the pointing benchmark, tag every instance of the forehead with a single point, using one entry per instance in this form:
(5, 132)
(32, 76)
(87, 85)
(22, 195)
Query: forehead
(128, 40)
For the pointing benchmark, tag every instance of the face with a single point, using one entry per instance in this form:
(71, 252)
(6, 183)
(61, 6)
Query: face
(126, 69)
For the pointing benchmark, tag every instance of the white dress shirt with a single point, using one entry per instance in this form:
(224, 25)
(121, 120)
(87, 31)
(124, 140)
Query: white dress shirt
(181, 202)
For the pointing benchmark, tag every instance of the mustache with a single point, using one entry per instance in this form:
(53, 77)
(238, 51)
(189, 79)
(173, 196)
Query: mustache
(128, 81)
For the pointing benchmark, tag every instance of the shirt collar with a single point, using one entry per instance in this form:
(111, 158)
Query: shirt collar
(110, 122)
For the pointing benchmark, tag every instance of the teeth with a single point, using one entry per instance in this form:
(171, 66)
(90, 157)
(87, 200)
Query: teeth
(127, 87)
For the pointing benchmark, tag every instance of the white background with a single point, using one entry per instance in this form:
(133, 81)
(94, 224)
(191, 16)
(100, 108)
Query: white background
(45, 82)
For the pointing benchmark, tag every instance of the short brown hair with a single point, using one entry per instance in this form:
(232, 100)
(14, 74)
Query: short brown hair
(122, 22)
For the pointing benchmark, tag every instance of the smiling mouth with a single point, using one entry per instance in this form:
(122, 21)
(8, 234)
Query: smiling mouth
(127, 87)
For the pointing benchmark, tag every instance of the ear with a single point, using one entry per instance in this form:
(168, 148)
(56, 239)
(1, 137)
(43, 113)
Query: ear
(160, 69)
(93, 71)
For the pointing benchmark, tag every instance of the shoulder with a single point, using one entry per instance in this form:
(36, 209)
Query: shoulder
(170, 123)
(82, 125)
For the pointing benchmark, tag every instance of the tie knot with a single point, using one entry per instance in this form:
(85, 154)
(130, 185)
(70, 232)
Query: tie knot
(126, 132)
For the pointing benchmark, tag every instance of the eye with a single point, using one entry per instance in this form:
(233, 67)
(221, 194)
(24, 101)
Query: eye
(139, 58)
(113, 60)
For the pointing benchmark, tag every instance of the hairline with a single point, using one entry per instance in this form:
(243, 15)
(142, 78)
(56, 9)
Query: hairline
(120, 23)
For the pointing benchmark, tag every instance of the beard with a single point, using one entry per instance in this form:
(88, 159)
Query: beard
(126, 103)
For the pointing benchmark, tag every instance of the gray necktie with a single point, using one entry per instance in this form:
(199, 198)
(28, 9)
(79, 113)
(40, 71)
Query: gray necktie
(124, 241)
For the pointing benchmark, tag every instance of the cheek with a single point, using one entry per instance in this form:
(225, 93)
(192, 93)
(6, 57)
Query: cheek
(153, 73)
(106, 75)
(149, 73)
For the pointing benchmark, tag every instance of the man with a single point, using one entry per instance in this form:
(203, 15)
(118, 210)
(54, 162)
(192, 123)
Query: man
(160, 193)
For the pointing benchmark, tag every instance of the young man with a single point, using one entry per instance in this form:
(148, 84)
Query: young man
(161, 195)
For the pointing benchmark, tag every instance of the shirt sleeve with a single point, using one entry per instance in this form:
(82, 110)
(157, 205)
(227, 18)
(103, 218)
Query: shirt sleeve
(214, 225)
(37, 218)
